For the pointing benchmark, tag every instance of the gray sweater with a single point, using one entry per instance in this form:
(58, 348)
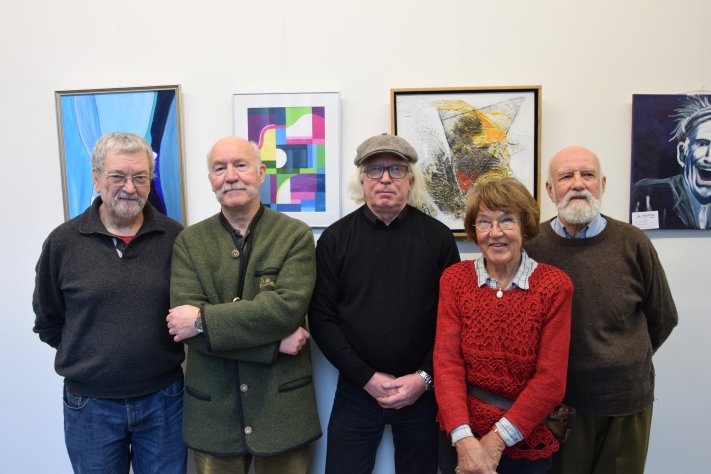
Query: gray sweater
(622, 313)
(104, 314)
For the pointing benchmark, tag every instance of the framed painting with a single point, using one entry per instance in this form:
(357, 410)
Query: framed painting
(465, 134)
(671, 161)
(83, 116)
(298, 135)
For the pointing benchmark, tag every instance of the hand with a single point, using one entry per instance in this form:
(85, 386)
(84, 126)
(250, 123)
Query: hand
(181, 322)
(292, 344)
(402, 391)
(375, 385)
(473, 457)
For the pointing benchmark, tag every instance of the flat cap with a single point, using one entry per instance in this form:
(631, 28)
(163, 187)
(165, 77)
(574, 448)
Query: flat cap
(385, 143)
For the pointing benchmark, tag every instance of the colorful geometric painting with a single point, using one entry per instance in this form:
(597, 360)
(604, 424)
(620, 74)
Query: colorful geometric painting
(149, 112)
(292, 143)
(298, 135)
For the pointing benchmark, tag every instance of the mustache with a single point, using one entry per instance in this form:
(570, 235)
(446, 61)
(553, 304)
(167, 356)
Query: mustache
(230, 186)
(587, 195)
(125, 195)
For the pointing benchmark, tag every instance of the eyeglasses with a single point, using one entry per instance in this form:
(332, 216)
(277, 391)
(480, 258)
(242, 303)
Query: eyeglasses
(505, 223)
(395, 171)
(120, 179)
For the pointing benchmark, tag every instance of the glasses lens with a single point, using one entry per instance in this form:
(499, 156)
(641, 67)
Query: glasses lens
(397, 171)
(140, 180)
(116, 179)
(483, 226)
(374, 171)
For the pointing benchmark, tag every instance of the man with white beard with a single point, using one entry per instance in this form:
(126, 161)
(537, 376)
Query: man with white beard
(622, 313)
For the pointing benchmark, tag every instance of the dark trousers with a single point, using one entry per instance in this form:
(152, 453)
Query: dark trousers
(605, 445)
(448, 461)
(356, 427)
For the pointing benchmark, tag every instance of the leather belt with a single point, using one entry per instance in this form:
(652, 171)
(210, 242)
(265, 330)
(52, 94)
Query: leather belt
(491, 398)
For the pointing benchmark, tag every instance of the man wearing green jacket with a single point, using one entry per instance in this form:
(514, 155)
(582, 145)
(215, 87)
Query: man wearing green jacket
(240, 287)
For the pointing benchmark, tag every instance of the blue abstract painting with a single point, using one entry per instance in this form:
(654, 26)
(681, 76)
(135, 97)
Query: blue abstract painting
(152, 113)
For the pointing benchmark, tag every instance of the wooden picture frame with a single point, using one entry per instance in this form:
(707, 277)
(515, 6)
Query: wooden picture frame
(154, 113)
(463, 133)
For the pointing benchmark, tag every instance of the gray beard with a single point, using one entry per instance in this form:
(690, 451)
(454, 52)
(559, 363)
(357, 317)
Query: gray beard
(127, 209)
(579, 212)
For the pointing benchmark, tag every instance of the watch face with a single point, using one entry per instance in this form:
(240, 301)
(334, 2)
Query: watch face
(198, 324)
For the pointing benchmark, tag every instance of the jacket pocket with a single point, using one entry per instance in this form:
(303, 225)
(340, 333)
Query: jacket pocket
(197, 394)
(294, 384)
(267, 278)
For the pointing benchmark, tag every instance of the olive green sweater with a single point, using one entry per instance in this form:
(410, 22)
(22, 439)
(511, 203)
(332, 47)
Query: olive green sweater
(242, 395)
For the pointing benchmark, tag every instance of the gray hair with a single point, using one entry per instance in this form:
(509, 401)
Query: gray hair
(255, 147)
(121, 142)
(697, 109)
(418, 192)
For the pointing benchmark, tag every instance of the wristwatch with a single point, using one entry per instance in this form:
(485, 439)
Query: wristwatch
(429, 383)
(198, 322)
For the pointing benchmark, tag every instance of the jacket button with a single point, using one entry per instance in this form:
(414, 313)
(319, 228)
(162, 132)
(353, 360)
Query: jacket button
(244, 387)
(235, 253)
(248, 430)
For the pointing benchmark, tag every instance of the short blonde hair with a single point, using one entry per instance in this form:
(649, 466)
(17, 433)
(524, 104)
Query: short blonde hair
(503, 194)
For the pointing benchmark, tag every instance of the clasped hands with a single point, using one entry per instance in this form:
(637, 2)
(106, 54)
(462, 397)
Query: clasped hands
(395, 392)
(181, 325)
(479, 456)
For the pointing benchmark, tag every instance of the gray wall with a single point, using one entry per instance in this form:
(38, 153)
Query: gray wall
(590, 57)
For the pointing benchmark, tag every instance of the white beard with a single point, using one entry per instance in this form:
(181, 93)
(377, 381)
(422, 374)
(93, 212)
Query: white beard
(578, 212)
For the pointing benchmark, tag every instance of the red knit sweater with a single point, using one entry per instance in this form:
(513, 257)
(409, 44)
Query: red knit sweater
(515, 346)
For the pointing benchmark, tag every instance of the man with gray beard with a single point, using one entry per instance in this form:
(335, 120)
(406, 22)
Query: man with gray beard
(100, 299)
(622, 313)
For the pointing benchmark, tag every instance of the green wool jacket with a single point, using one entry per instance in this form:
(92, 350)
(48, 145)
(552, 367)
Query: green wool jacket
(241, 394)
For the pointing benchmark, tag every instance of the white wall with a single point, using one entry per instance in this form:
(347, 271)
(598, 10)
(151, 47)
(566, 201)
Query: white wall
(590, 57)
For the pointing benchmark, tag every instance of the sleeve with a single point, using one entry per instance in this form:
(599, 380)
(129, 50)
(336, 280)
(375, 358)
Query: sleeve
(448, 256)
(47, 298)
(546, 388)
(264, 320)
(324, 320)
(659, 308)
(449, 368)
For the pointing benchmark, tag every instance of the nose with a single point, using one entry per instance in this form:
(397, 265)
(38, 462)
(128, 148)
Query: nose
(231, 174)
(495, 229)
(129, 186)
(578, 180)
(386, 176)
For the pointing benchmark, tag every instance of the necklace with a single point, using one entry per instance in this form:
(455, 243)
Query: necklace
(500, 293)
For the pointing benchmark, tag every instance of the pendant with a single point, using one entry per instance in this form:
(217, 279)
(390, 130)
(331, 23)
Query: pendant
(499, 294)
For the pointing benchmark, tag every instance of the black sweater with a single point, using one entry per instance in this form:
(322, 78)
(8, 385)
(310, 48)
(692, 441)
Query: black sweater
(104, 314)
(374, 307)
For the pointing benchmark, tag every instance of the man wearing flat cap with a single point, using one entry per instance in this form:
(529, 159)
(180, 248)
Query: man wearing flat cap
(374, 310)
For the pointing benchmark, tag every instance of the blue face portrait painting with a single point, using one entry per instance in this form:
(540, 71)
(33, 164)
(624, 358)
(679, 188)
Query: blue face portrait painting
(151, 114)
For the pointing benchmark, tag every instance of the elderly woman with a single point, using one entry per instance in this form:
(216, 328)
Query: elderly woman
(503, 332)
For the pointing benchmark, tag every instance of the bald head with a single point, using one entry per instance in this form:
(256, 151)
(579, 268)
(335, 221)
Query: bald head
(573, 155)
(233, 145)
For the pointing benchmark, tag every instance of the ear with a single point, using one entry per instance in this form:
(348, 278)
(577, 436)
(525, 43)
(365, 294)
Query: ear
(95, 178)
(549, 190)
(262, 172)
(603, 184)
(681, 149)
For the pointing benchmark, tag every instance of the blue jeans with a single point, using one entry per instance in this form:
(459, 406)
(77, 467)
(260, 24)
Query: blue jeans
(356, 427)
(106, 435)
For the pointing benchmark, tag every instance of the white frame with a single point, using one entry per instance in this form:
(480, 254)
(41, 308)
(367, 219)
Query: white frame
(242, 103)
